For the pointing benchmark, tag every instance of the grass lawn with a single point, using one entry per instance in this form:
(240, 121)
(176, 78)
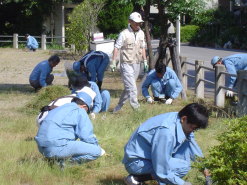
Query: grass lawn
(21, 163)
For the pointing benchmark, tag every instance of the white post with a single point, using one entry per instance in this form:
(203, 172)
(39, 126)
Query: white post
(199, 85)
(184, 71)
(43, 42)
(15, 41)
(219, 98)
(178, 34)
(63, 28)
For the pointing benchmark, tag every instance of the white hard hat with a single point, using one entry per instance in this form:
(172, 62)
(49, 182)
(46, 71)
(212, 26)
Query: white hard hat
(136, 17)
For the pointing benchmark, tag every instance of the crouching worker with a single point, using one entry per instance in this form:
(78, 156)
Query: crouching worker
(102, 99)
(93, 64)
(164, 83)
(67, 132)
(162, 148)
(41, 75)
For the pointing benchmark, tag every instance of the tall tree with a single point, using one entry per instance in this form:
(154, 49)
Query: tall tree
(83, 21)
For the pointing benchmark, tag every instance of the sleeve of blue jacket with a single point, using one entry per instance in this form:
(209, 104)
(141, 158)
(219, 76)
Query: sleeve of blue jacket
(84, 129)
(163, 141)
(230, 69)
(179, 87)
(147, 83)
(45, 71)
(97, 103)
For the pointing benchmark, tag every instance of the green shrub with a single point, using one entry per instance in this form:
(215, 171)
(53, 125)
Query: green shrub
(228, 161)
(114, 16)
(188, 32)
(45, 96)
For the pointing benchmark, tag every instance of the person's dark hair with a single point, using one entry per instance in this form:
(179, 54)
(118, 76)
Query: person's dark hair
(78, 82)
(196, 114)
(26, 35)
(54, 59)
(79, 101)
(160, 67)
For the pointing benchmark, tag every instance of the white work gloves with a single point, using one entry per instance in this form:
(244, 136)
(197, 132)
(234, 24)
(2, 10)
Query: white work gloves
(169, 101)
(92, 115)
(229, 93)
(187, 183)
(150, 100)
(102, 152)
(113, 65)
(145, 62)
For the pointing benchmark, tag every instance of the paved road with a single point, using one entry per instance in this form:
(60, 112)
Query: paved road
(205, 54)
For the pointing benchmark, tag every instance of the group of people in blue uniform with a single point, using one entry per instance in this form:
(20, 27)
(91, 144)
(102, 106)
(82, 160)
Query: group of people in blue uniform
(161, 148)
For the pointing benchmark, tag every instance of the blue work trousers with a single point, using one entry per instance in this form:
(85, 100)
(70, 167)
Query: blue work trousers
(106, 100)
(96, 68)
(160, 90)
(77, 151)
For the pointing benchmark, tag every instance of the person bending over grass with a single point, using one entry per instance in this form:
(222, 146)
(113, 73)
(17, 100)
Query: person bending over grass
(67, 132)
(163, 147)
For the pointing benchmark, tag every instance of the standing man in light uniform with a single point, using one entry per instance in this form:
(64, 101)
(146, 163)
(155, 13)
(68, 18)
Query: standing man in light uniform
(131, 44)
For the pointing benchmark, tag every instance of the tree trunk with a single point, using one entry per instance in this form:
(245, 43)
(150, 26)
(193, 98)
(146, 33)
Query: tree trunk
(176, 64)
(147, 34)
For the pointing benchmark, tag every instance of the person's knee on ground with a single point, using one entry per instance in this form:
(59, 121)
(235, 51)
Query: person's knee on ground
(106, 98)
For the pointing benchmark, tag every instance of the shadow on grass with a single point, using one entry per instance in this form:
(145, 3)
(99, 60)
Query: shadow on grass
(115, 93)
(112, 180)
(21, 88)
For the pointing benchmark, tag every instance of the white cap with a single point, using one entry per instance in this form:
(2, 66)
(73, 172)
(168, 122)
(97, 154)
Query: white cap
(136, 17)
(87, 95)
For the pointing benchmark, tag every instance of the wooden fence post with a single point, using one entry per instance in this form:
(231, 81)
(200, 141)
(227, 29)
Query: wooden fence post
(43, 42)
(219, 81)
(184, 71)
(199, 84)
(15, 41)
(242, 93)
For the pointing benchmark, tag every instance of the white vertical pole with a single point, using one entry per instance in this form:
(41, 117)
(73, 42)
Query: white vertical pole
(15, 40)
(43, 42)
(63, 28)
(178, 34)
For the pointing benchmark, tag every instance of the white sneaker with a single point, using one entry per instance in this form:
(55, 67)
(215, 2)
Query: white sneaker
(117, 108)
(129, 180)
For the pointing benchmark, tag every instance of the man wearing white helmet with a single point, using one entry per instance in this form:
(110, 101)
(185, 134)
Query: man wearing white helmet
(233, 63)
(131, 44)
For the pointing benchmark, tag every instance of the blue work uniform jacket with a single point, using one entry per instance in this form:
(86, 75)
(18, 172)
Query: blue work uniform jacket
(41, 72)
(234, 63)
(65, 123)
(158, 140)
(169, 74)
(32, 43)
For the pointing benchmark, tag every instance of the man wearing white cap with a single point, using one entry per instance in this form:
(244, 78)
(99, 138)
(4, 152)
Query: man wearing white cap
(67, 132)
(233, 63)
(131, 44)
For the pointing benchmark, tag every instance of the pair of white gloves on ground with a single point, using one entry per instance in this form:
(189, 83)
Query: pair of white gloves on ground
(113, 65)
(168, 101)
(229, 93)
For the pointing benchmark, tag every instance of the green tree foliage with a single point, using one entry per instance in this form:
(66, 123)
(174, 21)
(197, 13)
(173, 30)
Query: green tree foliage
(83, 21)
(228, 161)
(188, 32)
(25, 16)
(114, 16)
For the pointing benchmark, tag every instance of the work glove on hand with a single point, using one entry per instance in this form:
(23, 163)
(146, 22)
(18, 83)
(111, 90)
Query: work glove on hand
(145, 66)
(187, 183)
(102, 152)
(92, 115)
(169, 101)
(150, 100)
(113, 65)
(229, 93)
